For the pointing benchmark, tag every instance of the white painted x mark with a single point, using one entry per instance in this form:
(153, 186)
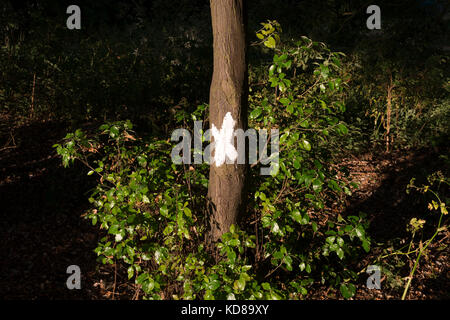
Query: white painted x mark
(223, 139)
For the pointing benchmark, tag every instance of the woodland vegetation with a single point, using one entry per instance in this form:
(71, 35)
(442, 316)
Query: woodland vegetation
(362, 178)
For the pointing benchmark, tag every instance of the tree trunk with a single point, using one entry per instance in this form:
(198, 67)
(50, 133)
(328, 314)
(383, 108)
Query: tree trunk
(228, 93)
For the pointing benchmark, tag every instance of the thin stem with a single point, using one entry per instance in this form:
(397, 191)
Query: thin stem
(418, 258)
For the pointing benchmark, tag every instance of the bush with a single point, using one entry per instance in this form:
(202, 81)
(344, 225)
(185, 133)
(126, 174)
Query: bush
(154, 211)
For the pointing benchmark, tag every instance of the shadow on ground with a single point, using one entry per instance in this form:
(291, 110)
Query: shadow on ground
(41, 231)
(382, 196)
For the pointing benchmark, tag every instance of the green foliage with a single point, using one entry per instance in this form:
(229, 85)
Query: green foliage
(154, 213)
(438, 186)
(394, 101)
(143, 202)
(112, 73)
(303, 98)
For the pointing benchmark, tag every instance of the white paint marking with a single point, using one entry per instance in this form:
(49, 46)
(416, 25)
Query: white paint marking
(223, 139)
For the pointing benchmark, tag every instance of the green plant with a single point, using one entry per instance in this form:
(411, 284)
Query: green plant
(154, 211)
(417, 224)
(395, 101)
(302, 96)
(436, 182)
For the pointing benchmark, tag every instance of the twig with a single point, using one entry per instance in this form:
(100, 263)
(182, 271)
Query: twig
(418, 258)
(274, 269)
(10, 147)
(115, 279)
(138, 290)
(32, 95)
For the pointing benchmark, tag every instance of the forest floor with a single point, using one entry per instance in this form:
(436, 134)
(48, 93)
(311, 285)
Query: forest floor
(42, 231)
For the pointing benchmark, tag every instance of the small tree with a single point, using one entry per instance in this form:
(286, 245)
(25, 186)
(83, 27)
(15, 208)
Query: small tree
(228, 93)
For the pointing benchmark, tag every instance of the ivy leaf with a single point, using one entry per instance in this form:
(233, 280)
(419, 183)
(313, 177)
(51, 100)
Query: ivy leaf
(164, 211)
(148, 285)
(359, 232)
(308, 268)
(213, 285)
(114, 131)
(302, 266)
(266, 286)
(290, 108)
(340, 253)
(305, 219)
(334, 186)
(347, 291)
(342, 129)
(141, 278)
(255, 113)
(317, 185)
(234, 242)
(272, 70)
(330, 239)
(187, 212)
(231, 296)
(130, 272)
(296, 215)
(306, 145)
(304, 124)
(270, 42)
(114, 229)
(285, 101)
(366, 245)
(274, 167)
(239, 284)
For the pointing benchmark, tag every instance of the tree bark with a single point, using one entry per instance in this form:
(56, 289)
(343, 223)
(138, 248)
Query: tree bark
(228, 93)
